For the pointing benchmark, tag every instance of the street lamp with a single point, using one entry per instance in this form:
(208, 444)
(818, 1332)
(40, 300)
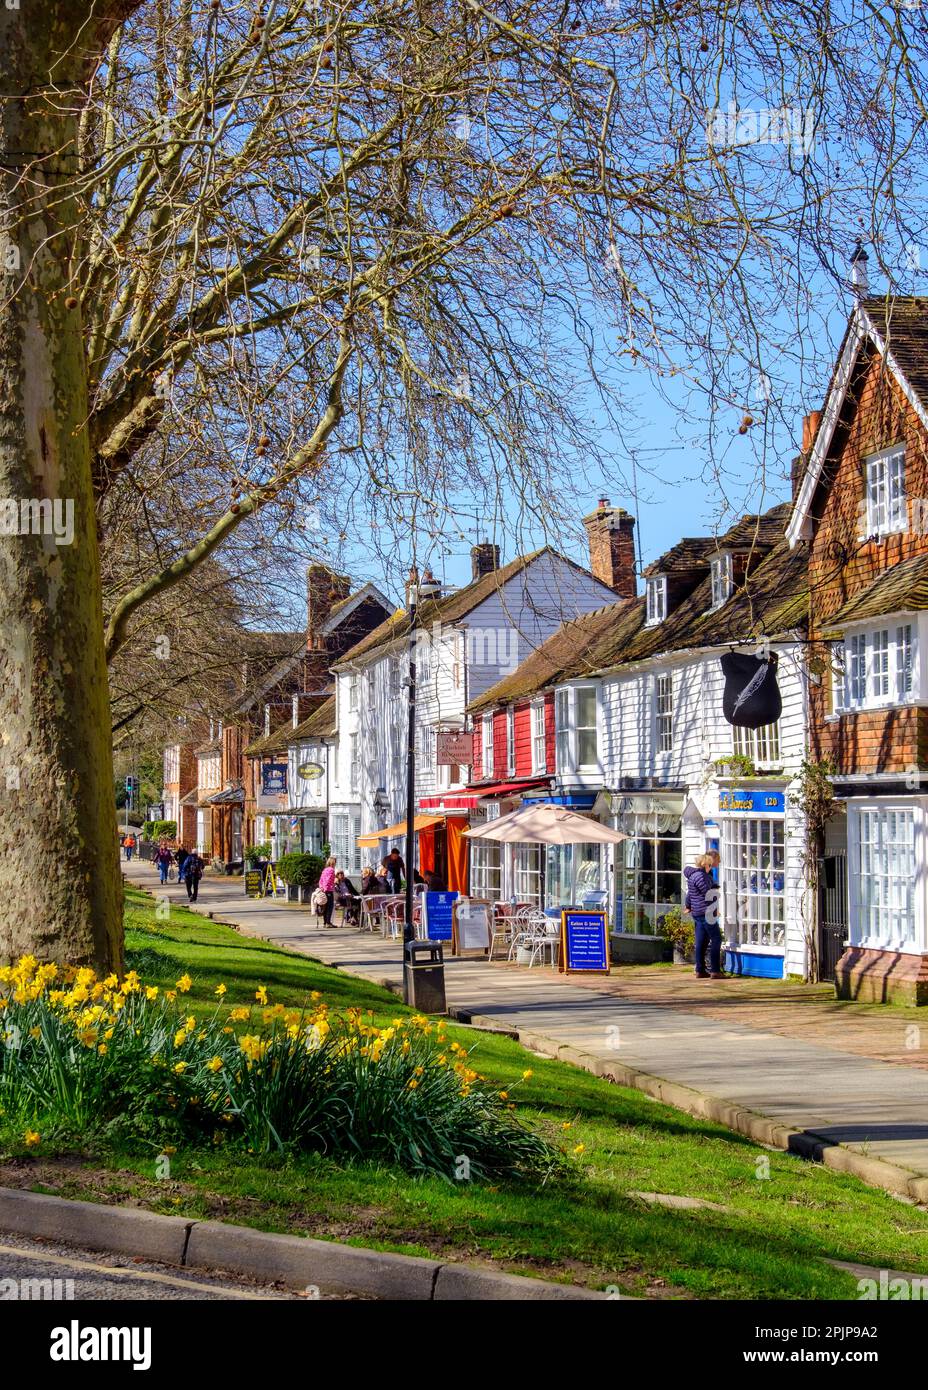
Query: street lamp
(416, 591)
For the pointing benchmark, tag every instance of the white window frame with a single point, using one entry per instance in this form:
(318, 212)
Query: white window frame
(487, 751)
(578, 729)
(511, 741)
(761, 745)
(884, 492)
(880, 667)
(352, 692)
(663, 712)
(868, 882)
(539, 737)
(354, 767)
(722, 578)
(754, 908)
(486, 869)
(562, 741)
(656, 600)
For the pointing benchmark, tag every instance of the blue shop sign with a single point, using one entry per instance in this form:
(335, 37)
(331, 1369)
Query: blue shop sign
(273, 779)
(438, 920)
(738, 802)
(584, 942)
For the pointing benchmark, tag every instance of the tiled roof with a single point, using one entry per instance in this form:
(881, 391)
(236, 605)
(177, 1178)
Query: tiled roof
(274, 742)
(577, 648)
(760, 530)
(450, 608)
(447, 608)
(320, 724)
(772, 602)
(692, 553)
(901, 589)
(903, 325)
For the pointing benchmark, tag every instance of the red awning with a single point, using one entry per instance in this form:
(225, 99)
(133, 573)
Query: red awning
(453, 801)
(522, 784)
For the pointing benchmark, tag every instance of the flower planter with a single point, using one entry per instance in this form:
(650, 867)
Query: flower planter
(684, 955)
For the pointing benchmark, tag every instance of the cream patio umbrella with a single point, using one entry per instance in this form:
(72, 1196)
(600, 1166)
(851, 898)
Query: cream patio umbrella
(546, 824)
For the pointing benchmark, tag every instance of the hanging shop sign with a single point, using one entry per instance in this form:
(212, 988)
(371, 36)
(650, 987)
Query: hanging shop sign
(273, 779)
(454, 749)
(751, 697)
(310, 772)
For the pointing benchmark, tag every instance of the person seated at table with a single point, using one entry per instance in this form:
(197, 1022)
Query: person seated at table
(434, 883)
(369, 881)
(383, 878)
(347, 897)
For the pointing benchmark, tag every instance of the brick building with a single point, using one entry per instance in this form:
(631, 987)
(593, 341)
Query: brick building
(862, 508)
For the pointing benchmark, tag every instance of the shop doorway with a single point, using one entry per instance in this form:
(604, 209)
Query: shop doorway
(832, 913)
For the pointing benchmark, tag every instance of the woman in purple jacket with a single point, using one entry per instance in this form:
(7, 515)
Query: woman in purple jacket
(702, 900)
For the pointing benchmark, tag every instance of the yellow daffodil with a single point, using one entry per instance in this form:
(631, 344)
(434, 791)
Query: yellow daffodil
(214, 1064)
(578, 1148)
(151, 992)
(32, 1137)
(220, 990)
(261, 994)
(184, 983)
(527, 1075)
(180, 1067)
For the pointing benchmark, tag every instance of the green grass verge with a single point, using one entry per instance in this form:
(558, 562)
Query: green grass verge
(783, 1216)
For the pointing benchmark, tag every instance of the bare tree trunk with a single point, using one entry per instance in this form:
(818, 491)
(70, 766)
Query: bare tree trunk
(60, 893)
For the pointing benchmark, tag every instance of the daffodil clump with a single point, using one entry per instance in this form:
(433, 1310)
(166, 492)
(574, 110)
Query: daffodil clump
(85, 1056)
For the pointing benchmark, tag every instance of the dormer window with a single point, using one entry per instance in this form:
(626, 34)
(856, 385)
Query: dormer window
(722, 583)
(885, 497)
(656, 600)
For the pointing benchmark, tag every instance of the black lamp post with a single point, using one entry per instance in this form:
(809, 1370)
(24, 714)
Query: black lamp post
(416, 591)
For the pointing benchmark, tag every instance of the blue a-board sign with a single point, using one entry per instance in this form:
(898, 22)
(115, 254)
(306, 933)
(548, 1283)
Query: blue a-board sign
(438, 920)
(584, 942)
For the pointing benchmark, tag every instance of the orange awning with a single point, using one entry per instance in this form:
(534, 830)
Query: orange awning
(393, 831)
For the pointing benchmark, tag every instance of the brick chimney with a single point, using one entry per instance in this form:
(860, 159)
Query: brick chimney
(810, 424)
(323, 589)
(611, 535)
(484, 559)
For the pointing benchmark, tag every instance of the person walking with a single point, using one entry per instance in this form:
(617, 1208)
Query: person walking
(181, 857)
(164, 858)
(395, 869)
(702, 901)
(129, 847)
(193, 872)
(327, 886)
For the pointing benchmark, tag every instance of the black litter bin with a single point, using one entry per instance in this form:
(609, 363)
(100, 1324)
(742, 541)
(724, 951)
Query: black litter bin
(424, 976)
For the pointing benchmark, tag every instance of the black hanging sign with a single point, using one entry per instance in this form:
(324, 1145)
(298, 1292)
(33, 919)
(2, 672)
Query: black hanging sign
(752, 697)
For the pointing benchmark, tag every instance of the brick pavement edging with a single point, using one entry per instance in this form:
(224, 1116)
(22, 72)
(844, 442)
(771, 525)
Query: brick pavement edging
(295, 1261)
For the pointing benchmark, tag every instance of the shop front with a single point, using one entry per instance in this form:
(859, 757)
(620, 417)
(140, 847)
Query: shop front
(495, 868)
(648, 865)
(753, 847)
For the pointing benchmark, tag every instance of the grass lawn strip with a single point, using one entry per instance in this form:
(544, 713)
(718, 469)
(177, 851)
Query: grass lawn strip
(783, 1217)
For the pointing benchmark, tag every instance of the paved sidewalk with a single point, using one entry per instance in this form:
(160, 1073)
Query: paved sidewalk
(793, 1055)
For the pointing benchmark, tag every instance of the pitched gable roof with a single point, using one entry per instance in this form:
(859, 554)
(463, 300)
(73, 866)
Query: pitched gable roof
(576, 649)
(771, 602)
(897, 330)
(451, 608)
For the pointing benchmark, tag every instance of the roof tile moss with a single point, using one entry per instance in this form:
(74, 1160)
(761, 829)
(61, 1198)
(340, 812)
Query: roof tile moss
(901, 589)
